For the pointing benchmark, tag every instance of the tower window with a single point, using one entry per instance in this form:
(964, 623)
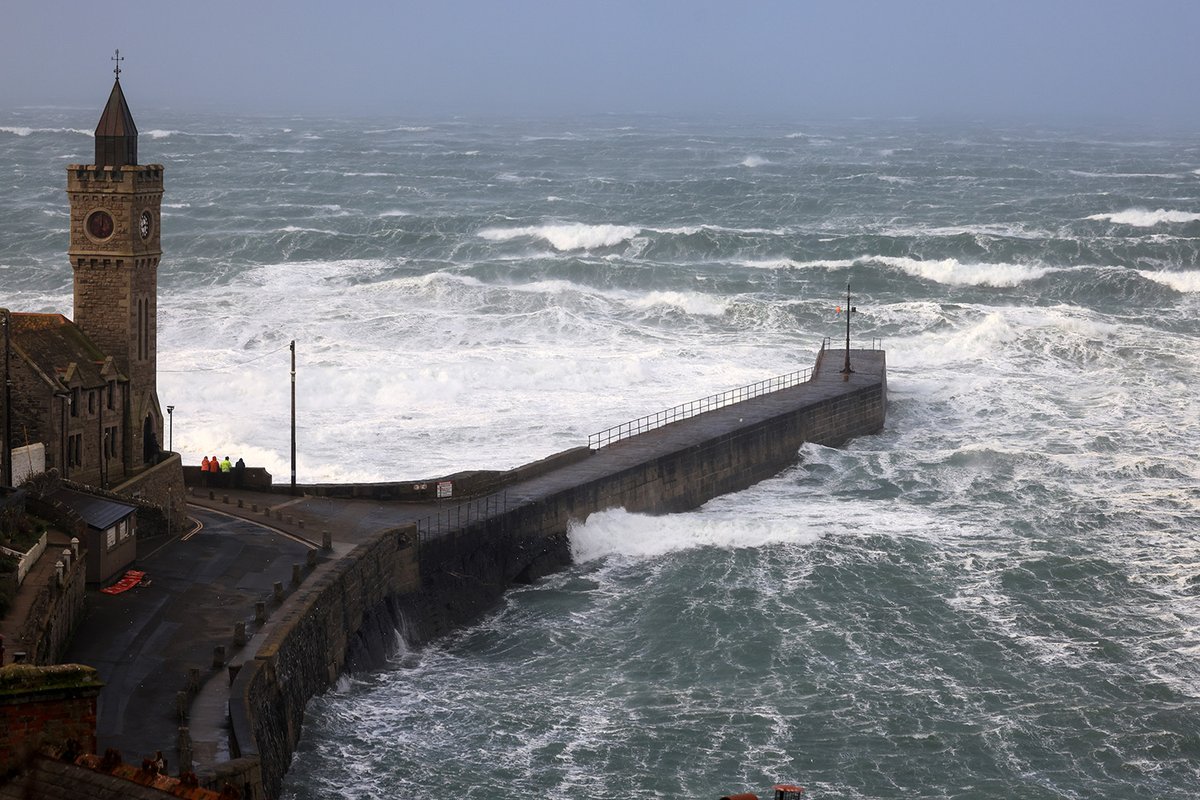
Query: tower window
(111, 392)
(75, 402)
(91, 403)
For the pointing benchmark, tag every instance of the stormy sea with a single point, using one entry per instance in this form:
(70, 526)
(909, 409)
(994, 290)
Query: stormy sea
(998, 596)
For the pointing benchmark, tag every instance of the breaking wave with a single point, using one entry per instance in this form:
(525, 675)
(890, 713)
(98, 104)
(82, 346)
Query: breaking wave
(566, 236)
(1186, 282)
(955, 273)
(1142, 218)
(23, 131)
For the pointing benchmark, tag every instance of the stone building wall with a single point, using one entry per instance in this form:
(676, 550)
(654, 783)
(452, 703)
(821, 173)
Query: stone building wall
(45, 707)
(160, 497)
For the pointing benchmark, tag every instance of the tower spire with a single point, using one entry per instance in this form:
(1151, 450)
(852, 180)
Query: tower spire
(116, 133)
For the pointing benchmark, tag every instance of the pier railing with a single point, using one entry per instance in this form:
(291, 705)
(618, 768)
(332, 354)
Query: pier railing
(683, 411)
(711, 403)
(462, 515)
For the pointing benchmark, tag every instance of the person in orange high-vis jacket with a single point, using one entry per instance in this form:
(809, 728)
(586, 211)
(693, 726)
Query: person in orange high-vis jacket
(204, 471)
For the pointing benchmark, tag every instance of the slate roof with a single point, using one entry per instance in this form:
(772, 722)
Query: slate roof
(47, 779)
(116, 133)
(98, 512)
(51, 343)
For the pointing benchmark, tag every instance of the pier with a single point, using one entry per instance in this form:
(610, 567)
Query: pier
(376, 565)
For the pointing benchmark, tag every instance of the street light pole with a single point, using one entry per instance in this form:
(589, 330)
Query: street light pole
(849, 310)
(293, 346)
(171, 428)
(6, 475)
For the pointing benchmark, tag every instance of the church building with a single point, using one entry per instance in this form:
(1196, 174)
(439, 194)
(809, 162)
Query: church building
(85, 390)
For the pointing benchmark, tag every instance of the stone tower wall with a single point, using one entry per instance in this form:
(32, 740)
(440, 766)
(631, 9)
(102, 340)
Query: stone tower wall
(116, 279)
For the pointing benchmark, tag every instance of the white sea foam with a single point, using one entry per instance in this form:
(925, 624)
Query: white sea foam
(1187, 282)
(1084, 174)
(402, 129)
(566, 236)
(953, 272)
(690, 302)
(1143, 218)
(160, 133)
(754, 161)
(23, 131)
(618, 533)
(788, 263)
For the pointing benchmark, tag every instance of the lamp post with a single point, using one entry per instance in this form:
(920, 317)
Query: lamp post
(293, 346)
(170, 429)
(849, 310)
(6, 475)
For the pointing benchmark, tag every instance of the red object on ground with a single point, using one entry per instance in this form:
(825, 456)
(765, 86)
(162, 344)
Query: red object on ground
(132, 578)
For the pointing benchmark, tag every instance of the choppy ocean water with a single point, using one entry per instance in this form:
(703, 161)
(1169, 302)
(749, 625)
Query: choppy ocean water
(996, 597)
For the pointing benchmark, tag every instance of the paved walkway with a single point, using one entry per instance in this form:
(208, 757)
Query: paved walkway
(144, 641)
(40, 576)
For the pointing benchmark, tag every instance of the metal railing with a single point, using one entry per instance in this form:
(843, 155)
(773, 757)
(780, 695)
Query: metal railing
(462, 515)
(648, 423)
(695, 407)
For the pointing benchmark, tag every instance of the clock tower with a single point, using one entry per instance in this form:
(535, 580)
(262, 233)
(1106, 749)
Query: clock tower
(114, 251)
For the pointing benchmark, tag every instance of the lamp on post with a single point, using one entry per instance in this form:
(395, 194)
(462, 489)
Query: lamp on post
(293, 346)
(846, 371)
(6, 474)
(170, 429)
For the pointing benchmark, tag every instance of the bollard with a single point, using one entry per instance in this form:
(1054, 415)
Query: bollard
(181, 705)
(295, 574)
(66, 558)
(260, 612)
(300, 523)
(193, 683)
(184, 745)
(239, 634)
(267, 511)
(212, 495)
(75, 546)
(311, 559)
(278, 591)
(240, 503)
(225, 499)
(326, 540)
(59, 570)
(218, 656)
(254, 507)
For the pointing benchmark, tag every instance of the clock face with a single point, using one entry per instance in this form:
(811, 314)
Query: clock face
(100, 225)
(144, 225)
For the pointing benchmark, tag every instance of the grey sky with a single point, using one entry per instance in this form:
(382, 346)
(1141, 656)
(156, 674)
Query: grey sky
(1017, 59)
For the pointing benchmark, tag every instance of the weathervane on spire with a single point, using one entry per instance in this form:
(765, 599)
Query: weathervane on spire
(117, 69)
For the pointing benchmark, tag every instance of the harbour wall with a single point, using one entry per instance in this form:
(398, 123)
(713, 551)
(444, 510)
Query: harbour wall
(425, 584)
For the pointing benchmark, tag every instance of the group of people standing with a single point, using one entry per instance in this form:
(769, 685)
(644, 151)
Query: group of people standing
(222, 473)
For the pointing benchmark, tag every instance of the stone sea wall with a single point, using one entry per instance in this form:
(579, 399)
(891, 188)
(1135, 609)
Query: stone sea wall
(348, 617)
